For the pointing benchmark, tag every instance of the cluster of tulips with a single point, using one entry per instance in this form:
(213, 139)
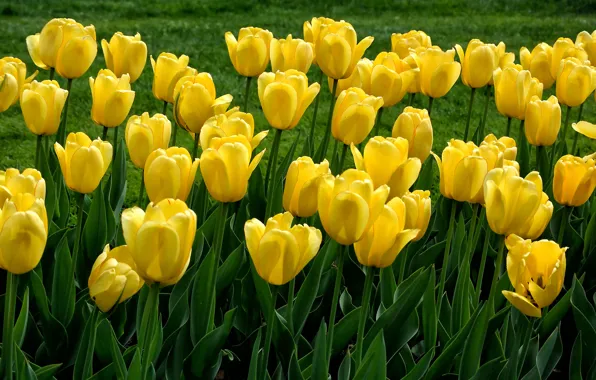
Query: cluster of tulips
(305, 220)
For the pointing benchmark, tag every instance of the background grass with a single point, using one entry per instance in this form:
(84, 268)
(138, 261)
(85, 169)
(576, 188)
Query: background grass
(197, 29)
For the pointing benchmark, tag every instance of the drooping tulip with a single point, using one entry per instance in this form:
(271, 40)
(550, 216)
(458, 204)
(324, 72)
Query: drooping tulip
(575, 82)
(112, 98)
(354, 115)
(145, 134)
(478, 62)
(390, 78)
(543, 121)
(169, 173)
(538, 62)
(291, 53)
(302, 186)
(587, 42)
(574, 180)
(565, 48)
(418, 211)
(438, 71)
(513, 90)
(233, 122)
(42, 104)
(414, 125)
(125, 55)
(167, 70)
(250, 53)
(402, 44)
(13, 182)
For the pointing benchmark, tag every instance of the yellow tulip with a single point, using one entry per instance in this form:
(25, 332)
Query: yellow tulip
(160, 239)
(574, 180)
(302, 186)
(125, 55)
(505, 146)
(575, 82)
(414, 125)
(231, 123)
(412, 61)
(543, 121)
(418, 211)
(18, 69)
(291, 53)
(13, 182)
(167, 70)
(83, 162)
(360, 78)
(112, 98)
(587, 42)
(169, 173)
(515, 205)
(585, 128)
(386, 162)
(279, 250)
(113, 278)
(479, 61)
(250, 53)
(65, 45)
(195, 101)
(438, 71)
(565, 48)
(412, 40)
(390, 78)
(226, 167)
(354, 115)
(145, 134)
(312, 30)
(9, 91)
(337, 50)
(23, 233)
(42, 104)
(284, 97)
(348, 205)
(513, 90)
(536, 271)
(539, 62)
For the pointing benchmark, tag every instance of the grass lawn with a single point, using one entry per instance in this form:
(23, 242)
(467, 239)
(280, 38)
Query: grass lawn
(187, 27)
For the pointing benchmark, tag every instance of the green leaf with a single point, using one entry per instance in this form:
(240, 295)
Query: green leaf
(23, 368)
(319, 359)
(388, 285)
(83, 367)
(134, 369)
(294, 372)
(62, 211)
(95, 232)
(256, 195)
(117, 358)
(345, 330)
(374, 364)
(575, 360)
(523, 153)
(118, 189)
(277, 188)
(550, 320)
(427, 257)
(426, 177)
(110, 216)
(345, 367)
(202, 299)
(549, 355)
(400, 332)
(429, 313)
(470, 359)
(63, 287)
(255, 358)
(584, 315)
(47, 372)
(460, 312)
(20, 327)
(490, 369)
(229, 269)
(51, 199)
(345, 302)
(421, 367)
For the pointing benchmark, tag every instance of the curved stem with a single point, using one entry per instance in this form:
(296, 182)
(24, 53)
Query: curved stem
(77, 242)
(378, 122)
(496, 275)
(61, 135)
(38, 152)
(247, 93)
(269, 333)
(195, 148)
(430, 105)
(467, 130)
(327, 136)
(508, 130)
(313, 123)
(446, 253)
(150, 313)
(272, 167)
(7, 332)
(563, 225)
(338, 276)
(368, 283)
(290, 307)
(141, 189)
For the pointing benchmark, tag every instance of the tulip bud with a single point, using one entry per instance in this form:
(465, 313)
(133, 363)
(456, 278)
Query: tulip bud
(575, 82)
(169, 173)
(279, 250)
(23, 233)
(478, 63)
(13, 182)
(231, 123)
(348, 205)
(536, 271)
(289, 53)
(539, 63)
(113, 278)
(312, 30)
(250, 53)
(302, 185)
(83, 162)
(418, 211)
(160, 240)
(565, 48)
(112, 98)
(226, 167)
(65, 45)
(125, 55)
(390, 78)
(513, 90)
(587, 42)
(145, 134)
(42, 104)
(18, 69)
(354, 115)
(360, 78)
(543, 121)
(386, 162)
(438, 71)
(414, 125)
(9, 91)
(167, 70)
(412, 40)
(515, 205)
(574, 180)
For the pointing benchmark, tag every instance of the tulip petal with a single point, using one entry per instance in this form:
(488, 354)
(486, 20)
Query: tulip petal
(162, 178)
(22, 242)
(585, 128)
(404, 177)
(33, 48)
(522, 304)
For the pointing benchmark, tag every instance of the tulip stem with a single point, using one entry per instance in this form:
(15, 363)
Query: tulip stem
(247, 93)
(379, 122)
(446, 253)
(482, 265)
(576, 135)
(141, 189)
(563, 224)
(269, 333)
(539, 149)
(430, 104)
(411, 99)
(147, 328)
(368, 284)
(340, 166)
(104, 135)
(272, 167)
(508, 130)
(480, 134)
(115, 144)
(473, 225)
(10, 298)
(195, 148)
(38, 152)
(61, 135)
(77, 242)
(338, 276)
(327, 136)
(567, 114)
(314, 118)
(473, 92)
(52, 72)
(289, 308)
(496, 275)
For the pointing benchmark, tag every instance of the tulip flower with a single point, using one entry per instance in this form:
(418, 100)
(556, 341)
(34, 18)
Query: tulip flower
(169, 173)
(42, 104)
(354, 115)
(565, 48)
(302, 186)
(13, 182)
(312, 30)
(18, 69)
(478, 62)
(402, 44)
(231, 123)
(291, 53)
(64, 45)
(113, 278)
(112, 98)
(279, 250)
(145, 134)
(349, 205)
(414, 125)
(505, 147)
(160, 239)
(438, 71)
(250, 53)
(125, 55)
(543, 121)
(386, 162)
(285, 96)
(412, 61)
(515, 205)
(167, 70)
(574, 180)
(360, 78)
(587, 42)
(536, 271)
(575, 81)
(9, 91)
(539, 62)
(83, 162)
(585, 128)
(514, 88)
(418, 211)
(390, 78)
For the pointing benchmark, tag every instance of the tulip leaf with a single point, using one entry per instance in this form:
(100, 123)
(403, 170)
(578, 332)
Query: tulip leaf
(95, 232)
(23, 367)
(470, 359)
(229, 269)
(345, 368)
(202, 299)
(550, 321)
(584, 316)
(429, 313)
(523, 149)
(549, 355)
(400, 332)
(426, 177)
(61, 213)
(116, 354)
(345, 330)
(427, 257)
(50, 200)
(110, 216)
(20, 328)
(277, 188)
(460, 312)
(83, 367)
(255, 358)
(294, 372)
(118, 189)
(256, 195)
(134, 369)
(421, 367)
(387, 284)
(47, 372)
(575, 359)
(319, 358)
(53, 331)
(63, 287)
(489, 369)
(345, 302)
(374, 364)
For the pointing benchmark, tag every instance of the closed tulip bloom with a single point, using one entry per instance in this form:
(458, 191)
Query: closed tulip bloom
(169, 173)
(585, 128)
(195, 101)
(302, 186)
(167, 70)
(160, 239)
(83, 162)
(145, 134)
(386, 161)
(513, 90)
(403, 43)
(284, 97)
(42, 104)
(125, 55)
(438, 71)
(390, 78)
(360, 78)
(543, 121)
(312, 29)
(18, 69)
(349, 205)
(65, 45)
(515, 205)
(113, 278)
(250, 53)
(539, 62)
(574, 180)
(9, 91)
(231, 123)
(575, 82)
(23, 233)
(112, 98)
(506, 147)
(291, 53)
(354, 115)
(412, 61)
(565, 48)
(587, 42)
(536, 271)
(226, 167)
(13, 182)
(414, 125)
(279, 250)
(478, 62)
(418, 211)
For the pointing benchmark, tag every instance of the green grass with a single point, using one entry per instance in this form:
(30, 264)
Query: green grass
(197, 29)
